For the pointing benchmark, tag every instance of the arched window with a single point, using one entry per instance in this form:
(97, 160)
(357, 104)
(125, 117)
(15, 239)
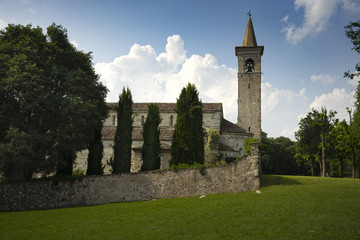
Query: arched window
(142, 120)
(249, 65)
(171, 120)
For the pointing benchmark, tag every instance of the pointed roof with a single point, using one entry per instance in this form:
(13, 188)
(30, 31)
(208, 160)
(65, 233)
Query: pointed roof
(249, 38)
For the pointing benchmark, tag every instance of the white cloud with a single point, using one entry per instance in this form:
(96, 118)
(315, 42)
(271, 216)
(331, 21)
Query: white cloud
(75, 43)
(289, 132)
(285, 19)
(3, 24)
(350, 5)
(280, 108)
(160, 77)
(323, 78)
(316, 16)
(337, 100)
(271, 97)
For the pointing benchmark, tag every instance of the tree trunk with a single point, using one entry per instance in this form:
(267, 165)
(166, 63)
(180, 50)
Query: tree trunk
(323, 172)
(312, 171)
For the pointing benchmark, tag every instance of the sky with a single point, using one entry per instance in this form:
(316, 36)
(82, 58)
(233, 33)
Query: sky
(156, 47)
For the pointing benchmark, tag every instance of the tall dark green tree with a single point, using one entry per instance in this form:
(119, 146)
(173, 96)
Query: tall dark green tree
(96, 153)
(151, 134)
(49, 92)
(188, 139)
(123, 135)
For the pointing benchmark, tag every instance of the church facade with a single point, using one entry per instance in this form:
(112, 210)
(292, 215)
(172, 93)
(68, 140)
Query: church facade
(232, 136)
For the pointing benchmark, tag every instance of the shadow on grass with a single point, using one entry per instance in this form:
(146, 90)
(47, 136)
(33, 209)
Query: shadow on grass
(271, 180)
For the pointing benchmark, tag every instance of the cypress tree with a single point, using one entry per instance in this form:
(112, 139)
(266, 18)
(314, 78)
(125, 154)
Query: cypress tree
(123, 135)
(96, 150)
(151, 134)
(188, 138)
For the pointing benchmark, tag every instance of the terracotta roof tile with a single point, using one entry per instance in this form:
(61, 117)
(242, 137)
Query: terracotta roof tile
(229, 127)
(226, 148)
(163, 146)
(142, 107)
(108, 133)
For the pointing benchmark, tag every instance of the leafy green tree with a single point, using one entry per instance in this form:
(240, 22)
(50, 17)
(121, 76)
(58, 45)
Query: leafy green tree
(17, 156)
(353, 33)
(277, 156)
(342, 148)
(188, 139)
(151, 134)
(308, 139)
(123, 135)
(314, 139)
(354, 140)
(50, 92)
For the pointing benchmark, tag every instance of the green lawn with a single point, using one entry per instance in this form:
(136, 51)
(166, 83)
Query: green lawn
(288, 208)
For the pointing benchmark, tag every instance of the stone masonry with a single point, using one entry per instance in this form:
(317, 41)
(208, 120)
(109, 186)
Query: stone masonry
(239, 176)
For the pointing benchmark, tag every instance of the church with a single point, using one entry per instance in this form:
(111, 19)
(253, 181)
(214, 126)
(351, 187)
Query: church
(232, 136)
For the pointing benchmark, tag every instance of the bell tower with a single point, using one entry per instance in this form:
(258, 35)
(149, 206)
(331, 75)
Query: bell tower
(249, 82)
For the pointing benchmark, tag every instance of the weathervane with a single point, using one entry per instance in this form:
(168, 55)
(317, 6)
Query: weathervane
(249, 13)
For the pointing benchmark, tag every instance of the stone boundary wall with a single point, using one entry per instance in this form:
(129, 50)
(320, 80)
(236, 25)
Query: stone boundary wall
(239, 176)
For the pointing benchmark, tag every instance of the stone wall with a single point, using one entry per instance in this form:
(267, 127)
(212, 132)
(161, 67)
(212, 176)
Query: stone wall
(239, 176)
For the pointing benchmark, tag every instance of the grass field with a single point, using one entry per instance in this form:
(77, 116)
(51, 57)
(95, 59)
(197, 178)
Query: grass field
(289, 208)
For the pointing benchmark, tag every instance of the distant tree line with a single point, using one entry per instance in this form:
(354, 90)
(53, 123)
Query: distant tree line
(324, 145)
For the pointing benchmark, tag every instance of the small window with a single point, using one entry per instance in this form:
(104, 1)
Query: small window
(113, 120)
(142, 120)
(171, 120)
(249, 65)
(249, 85)
(249, 129)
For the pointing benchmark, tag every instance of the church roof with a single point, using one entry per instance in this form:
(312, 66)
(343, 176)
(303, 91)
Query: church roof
(168, 107)
(249, 38)
(229, 127)
(226, 148)
(108, 133)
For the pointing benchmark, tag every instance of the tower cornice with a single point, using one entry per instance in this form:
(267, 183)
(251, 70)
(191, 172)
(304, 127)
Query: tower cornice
(250, 50)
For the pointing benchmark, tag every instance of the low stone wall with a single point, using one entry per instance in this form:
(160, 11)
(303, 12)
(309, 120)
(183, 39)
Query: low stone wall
(239, 176)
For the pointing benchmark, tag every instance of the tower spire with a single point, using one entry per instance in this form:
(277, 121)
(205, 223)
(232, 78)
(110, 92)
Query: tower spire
(249, 82)
(249, 38)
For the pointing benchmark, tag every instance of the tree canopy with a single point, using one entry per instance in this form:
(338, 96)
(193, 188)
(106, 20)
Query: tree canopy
(123, 136)
(49, 92)
(188, 138)
(352, 31)
(150, 153)
(314, 139)
(277, 156)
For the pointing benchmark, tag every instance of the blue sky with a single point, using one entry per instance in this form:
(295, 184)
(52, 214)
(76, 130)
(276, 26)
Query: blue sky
(156, 47)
